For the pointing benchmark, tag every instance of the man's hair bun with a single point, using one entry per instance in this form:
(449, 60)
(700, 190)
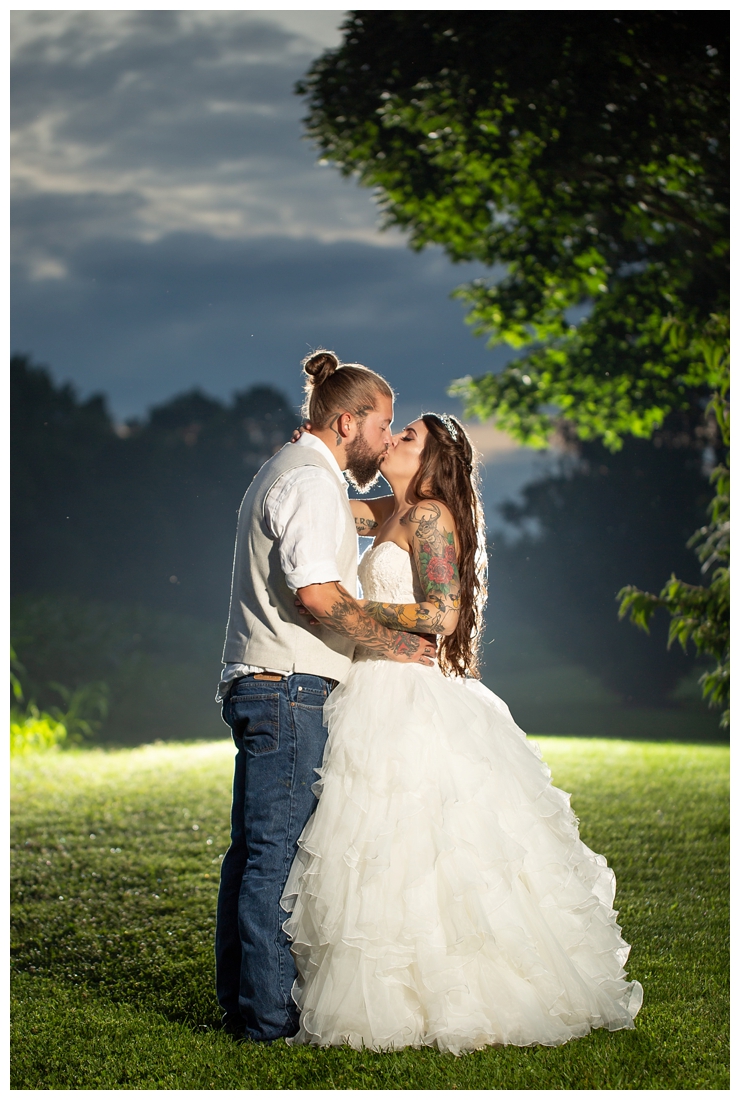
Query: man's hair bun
(333, 387)
(320, 365)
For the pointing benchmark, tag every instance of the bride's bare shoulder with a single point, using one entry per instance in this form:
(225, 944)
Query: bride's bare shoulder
(429, 514)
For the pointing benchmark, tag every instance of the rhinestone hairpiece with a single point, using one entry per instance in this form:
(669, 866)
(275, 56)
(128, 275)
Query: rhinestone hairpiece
(449, 424)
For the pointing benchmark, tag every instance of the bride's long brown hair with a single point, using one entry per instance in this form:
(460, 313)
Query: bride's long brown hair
(449, 471)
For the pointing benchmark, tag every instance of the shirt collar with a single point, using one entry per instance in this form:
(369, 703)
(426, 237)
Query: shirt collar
(308, 440)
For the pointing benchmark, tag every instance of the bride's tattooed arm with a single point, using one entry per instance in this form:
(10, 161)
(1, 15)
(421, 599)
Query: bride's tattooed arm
(365, 526)
(333, 607)
(433, 547)
(370, 513)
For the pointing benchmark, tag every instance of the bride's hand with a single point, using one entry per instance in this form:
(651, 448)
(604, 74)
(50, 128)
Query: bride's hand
(298, 432)
(304, 611)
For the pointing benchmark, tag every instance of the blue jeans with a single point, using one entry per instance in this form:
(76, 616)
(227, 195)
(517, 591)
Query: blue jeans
(279, 735)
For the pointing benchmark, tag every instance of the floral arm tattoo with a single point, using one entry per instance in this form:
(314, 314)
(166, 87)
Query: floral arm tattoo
(436, 563)
(345, 616)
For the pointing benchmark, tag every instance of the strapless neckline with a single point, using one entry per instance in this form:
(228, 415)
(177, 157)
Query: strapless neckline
(380, 545)
(388, 576)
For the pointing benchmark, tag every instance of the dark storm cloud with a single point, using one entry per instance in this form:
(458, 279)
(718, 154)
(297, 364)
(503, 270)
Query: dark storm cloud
(191, 310)
(121, 70)
(188, 119)
(172, 230)
(176, 95)
(57, 223)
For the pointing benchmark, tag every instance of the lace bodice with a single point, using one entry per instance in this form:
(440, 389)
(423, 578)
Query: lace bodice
(387, 573)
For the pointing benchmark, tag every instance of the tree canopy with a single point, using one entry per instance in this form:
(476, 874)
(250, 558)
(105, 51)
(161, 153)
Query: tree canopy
(585, 156)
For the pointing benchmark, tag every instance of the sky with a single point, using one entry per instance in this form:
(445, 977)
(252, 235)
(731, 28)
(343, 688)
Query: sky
(173, 229)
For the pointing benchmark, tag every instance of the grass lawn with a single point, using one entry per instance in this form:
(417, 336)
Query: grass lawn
(115, 873)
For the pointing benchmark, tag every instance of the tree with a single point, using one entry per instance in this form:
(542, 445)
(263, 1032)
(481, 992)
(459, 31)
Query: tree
(585, 156)
(143, 514)
(603, 517)
(701, 614)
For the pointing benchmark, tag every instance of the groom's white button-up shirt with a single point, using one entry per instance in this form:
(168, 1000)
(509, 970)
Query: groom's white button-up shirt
(304, 512)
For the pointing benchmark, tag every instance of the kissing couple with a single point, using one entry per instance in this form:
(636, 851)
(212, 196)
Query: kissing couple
(431, 888)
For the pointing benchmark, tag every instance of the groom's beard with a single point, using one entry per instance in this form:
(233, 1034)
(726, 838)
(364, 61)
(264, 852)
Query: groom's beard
(362, 468)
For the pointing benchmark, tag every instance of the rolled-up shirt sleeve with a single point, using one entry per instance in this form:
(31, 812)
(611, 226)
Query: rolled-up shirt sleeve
(305, 512)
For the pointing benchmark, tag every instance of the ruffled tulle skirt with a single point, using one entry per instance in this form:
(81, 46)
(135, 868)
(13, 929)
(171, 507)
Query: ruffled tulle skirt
(441, 894)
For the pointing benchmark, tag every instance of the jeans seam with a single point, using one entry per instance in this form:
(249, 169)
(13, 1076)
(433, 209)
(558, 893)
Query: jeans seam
(286, 855)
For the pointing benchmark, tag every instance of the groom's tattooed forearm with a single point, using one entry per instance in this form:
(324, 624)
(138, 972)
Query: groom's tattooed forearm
(345, 616)
(364, 526)
(432, 617)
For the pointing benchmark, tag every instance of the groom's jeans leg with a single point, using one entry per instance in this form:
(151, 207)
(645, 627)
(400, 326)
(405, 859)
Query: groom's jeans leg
(279, 736)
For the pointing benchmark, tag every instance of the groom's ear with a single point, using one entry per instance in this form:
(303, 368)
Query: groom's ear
(344, 424)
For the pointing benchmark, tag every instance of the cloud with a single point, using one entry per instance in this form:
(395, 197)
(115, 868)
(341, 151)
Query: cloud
(142, 320)
(178, 122)
(172, 229)
(164, 203)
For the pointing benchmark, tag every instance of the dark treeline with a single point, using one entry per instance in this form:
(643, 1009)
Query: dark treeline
(121, 547)
(122, 540)
(144, 514)
(604, 521)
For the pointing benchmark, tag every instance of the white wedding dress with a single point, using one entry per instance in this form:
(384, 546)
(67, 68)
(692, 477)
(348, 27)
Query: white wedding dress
(441, 895)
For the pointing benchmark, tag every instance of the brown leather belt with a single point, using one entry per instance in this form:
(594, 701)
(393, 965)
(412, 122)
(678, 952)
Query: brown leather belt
(276, 676)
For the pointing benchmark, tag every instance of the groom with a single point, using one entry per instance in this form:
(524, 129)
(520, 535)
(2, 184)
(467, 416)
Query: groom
(296, 537)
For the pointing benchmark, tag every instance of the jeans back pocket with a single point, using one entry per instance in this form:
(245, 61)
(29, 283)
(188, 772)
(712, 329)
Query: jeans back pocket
(255, 718)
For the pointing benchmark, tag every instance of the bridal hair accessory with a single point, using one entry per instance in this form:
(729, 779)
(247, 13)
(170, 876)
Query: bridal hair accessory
(449, 424)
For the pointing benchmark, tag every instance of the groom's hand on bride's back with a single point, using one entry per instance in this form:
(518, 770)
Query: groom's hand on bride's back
(333, 607)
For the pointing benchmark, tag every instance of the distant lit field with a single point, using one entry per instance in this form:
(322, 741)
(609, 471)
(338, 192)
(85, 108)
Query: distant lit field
(115, 872)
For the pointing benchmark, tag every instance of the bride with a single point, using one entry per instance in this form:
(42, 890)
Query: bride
(441, 895)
